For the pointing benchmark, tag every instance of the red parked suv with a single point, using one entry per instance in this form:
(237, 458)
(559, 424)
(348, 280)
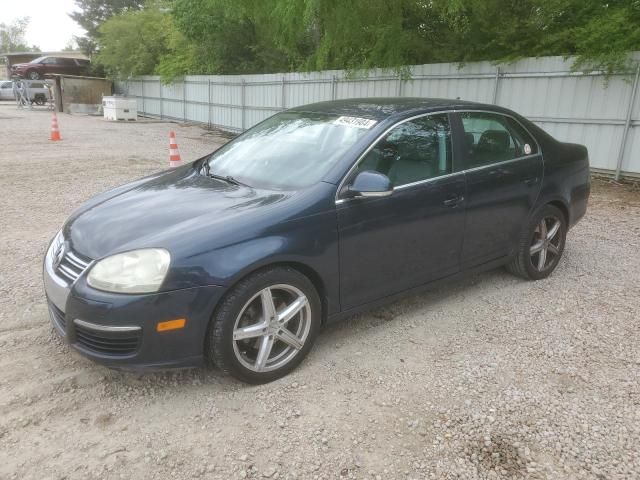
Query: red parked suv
(42, 66)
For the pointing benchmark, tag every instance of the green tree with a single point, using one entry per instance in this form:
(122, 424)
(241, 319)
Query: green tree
(175, 37)
(12, 36)
(133, 43)
(258, 36)
(600, 34)
(91, 14)
(145, 42)
(321, 34)
(227, 38)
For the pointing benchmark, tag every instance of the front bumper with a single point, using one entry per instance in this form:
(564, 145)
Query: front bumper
(119, 330)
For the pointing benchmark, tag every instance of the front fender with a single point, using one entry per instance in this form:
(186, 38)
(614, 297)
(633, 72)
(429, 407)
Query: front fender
(310, 241)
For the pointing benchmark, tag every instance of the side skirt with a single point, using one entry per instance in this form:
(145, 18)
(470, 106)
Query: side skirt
(336, 317)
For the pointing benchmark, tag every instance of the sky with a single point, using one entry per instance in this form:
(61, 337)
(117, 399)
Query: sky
(50, 27)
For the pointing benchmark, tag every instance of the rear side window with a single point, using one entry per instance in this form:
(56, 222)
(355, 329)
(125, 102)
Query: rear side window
(492, 138)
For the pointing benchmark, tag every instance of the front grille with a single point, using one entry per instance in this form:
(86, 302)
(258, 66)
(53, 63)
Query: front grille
(72, 266)
(109, 343)
(58, 316)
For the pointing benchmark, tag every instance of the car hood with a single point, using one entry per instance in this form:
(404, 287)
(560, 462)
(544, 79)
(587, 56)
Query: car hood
(174, 210)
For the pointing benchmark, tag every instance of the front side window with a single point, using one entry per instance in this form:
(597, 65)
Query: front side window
(289, 150)
(491, 138)
(413, 151)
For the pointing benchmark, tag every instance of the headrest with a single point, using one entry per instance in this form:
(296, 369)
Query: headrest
(494, 140)
(469, 139)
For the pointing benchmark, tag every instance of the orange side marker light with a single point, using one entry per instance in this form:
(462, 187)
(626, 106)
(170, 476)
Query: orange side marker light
(176, 324)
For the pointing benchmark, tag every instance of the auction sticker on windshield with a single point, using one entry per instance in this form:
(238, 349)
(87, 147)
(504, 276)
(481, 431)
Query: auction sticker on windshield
(355, 122)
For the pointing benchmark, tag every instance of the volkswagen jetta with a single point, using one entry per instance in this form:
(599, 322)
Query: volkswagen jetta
(316, 213)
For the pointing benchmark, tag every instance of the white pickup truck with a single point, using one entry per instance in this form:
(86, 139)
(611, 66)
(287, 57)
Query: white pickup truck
(6, 90)
(26, 91)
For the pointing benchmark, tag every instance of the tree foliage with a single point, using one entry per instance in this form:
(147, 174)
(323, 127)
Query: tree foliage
(600, 34)
(12, 36)
(176, 37)
(227, 40)
(91, 14)
(134, 43)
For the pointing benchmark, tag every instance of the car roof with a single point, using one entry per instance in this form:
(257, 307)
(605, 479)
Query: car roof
(383, 108)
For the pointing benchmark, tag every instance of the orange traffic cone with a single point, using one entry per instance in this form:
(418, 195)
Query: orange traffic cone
(174, 154)
(55, 131)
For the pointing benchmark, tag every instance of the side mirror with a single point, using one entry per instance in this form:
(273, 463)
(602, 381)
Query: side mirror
(370, 184)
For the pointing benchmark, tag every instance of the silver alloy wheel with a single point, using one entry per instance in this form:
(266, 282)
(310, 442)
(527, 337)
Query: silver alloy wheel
(272, 328)
(34, 75)
(545, 245)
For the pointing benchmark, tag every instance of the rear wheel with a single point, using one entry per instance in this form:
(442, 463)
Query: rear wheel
(541, 245)
(265, 326)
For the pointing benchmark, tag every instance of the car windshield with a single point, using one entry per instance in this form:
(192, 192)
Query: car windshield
(37, 60)
(289, 150)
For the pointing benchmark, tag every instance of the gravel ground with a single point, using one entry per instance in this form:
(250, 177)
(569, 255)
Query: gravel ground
(490, 377)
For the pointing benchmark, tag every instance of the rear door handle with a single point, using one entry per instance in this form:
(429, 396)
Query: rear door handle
(453, 200)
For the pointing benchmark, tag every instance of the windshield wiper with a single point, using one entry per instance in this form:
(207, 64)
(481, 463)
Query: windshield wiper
(226, 178)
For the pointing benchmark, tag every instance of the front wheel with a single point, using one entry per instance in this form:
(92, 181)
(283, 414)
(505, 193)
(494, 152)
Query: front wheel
(541, 245)
(33, 75)
(265, 325)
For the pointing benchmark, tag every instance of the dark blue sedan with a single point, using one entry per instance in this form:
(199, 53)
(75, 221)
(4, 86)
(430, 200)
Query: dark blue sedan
(316, 213)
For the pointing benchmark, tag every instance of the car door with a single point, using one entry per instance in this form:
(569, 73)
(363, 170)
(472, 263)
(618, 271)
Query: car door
(50, 65)
(68, 66)
(394, 243)
(504, 169)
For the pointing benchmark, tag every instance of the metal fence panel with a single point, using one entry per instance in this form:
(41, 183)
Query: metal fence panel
(588, 108)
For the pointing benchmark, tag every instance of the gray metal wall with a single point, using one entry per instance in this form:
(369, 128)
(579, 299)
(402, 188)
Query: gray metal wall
(602, 113)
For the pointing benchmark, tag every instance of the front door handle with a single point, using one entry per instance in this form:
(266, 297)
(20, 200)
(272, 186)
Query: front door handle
(531, 181)
(453, 200)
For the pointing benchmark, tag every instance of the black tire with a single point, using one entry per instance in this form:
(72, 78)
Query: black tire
(527, 265)
(33, 75)
(221, 348)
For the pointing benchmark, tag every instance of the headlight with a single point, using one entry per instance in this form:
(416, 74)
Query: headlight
(138, 271)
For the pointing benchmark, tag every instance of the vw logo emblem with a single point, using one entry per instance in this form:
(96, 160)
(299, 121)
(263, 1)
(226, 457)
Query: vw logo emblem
(58, 255)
